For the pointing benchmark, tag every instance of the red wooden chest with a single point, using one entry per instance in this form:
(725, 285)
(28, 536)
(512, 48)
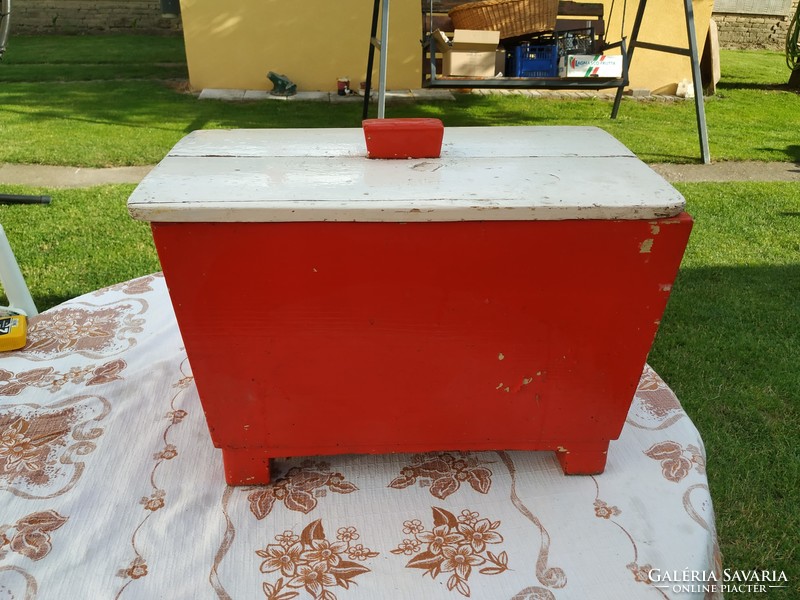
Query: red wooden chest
(502, 296)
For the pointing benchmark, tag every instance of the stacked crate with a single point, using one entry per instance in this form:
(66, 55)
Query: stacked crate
(539, 55)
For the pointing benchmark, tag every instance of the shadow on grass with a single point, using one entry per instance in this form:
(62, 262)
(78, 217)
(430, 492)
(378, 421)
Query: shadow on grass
(763, 87)
(44, 303)
(155, 105)
(792, 151)
(199, 122)
(728, 346)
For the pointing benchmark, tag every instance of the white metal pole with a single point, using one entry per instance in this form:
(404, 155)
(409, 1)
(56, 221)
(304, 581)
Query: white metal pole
(699, 101)
(384, 54)
(11, 277)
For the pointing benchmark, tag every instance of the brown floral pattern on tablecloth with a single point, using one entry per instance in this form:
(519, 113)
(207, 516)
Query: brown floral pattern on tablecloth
(18, 582)
(298, 489)
(88, 330)
(48, 378)
(157, 499)
(30, 535)
(455, 546)
(604, 511)
(225, 543)
(552, 577)
(313, 563)
(534, 593)
(444, 473)
(134, 287)
(655, 406)
(41, 447)
(697, 503)
(676, 461)
(610, 514)
(641, 573)
(136, 570)
(30, 538)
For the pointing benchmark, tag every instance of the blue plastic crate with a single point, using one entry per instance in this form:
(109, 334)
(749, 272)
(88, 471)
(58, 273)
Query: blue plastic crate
(529, 60)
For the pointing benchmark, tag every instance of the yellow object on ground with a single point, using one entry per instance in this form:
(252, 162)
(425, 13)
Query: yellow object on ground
(13, 329)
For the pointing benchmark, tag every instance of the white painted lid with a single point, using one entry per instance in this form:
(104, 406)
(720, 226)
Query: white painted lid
(484, 173)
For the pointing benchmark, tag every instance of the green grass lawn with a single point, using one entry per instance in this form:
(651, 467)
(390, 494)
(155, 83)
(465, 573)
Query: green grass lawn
(100, 101)
(729, 346)
(53, 58)
(82, 241)
(729, 343)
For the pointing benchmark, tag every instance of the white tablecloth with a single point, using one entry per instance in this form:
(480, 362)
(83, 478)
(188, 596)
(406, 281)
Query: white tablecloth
(110, 488)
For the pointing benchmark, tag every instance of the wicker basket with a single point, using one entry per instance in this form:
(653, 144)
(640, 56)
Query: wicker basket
(511, 18)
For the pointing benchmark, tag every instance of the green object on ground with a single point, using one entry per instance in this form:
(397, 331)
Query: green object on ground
(283, 85)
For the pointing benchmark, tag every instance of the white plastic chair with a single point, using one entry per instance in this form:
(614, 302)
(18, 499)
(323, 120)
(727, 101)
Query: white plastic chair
(11, 277)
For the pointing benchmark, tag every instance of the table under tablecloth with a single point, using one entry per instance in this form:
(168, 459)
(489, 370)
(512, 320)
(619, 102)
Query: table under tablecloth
(110, 487)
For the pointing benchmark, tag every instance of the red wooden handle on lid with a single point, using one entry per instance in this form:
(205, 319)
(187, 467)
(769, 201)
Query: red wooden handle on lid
(403, 138)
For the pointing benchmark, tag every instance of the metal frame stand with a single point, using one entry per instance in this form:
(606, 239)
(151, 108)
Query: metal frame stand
(382, 45)
(382, 7)
(691, 52)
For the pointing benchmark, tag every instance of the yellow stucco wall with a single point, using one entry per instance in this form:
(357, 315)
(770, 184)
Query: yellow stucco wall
(663, 23)
(234, 44)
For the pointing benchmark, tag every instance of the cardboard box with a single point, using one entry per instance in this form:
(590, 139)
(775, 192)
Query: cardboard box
(588, 65)
(470, 53)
